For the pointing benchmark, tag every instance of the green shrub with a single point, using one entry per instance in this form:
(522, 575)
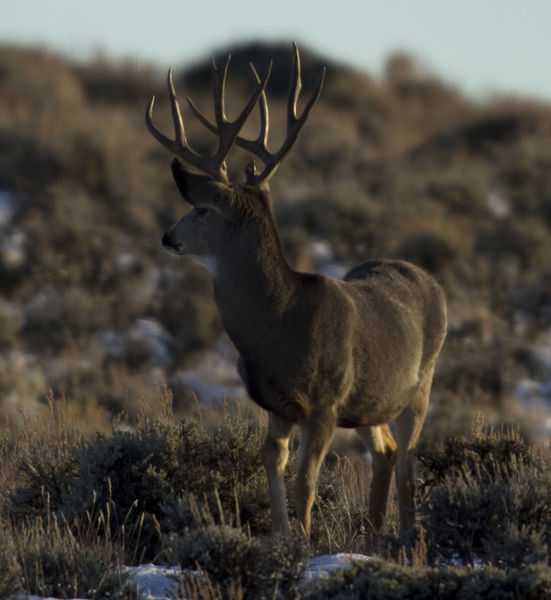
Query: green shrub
(54, 561)
(142, 478)
(384, 581)
(261, 567)
(487, 498)
(10, 572)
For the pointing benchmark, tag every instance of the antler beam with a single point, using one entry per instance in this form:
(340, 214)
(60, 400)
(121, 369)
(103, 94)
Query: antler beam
(259, 147)
(226, 130)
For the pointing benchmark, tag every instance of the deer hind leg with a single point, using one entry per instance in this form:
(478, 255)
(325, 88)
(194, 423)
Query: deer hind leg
(408, 429)
(381, 445)
(275, 453)
(315, 438)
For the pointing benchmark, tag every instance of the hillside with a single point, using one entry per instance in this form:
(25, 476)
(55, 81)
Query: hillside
(405, 166)
(125, 437)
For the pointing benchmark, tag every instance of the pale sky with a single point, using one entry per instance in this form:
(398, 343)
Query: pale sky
(483, 46)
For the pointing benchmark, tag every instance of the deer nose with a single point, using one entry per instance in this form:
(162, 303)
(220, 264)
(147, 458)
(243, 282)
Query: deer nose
(165, 240)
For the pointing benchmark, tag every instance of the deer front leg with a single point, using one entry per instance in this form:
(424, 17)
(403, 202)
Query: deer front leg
(314, 443)
(275, 453)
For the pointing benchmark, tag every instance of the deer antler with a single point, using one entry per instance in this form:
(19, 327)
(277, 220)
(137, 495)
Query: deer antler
(259, 147)
(227, 131)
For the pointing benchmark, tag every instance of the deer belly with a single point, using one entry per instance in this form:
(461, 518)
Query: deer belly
(362, 408)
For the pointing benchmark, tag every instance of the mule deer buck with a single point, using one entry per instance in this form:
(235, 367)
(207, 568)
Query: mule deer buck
(314, 351)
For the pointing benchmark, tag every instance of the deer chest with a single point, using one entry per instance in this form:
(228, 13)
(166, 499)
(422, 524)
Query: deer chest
(271, 393)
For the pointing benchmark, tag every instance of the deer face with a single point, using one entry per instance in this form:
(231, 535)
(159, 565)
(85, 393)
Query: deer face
(224, 218)
(202, 231)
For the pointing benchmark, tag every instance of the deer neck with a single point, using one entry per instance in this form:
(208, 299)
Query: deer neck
(253, 291)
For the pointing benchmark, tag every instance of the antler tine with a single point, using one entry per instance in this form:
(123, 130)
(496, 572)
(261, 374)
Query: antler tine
(179, 145)
(226, 130)
(294, 88)
(180, 134)
(294, 125)
(222, 122)
(259, 146)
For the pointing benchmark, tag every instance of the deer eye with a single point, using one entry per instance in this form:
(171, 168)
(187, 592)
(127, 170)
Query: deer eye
(201, 212)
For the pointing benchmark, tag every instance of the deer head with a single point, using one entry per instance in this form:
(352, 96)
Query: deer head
(227, 214)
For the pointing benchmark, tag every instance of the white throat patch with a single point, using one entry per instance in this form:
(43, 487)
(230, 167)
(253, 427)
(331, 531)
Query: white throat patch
(209, 262)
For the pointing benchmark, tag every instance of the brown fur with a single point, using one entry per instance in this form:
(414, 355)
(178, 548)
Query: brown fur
(314, 351)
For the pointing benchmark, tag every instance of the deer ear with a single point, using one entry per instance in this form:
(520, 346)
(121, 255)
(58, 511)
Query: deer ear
(191, 185)
(201, 189)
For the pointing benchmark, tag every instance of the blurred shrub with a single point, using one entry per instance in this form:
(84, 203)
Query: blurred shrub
(55, 322)
(45, 326)
(39, 91)
(10, 325)
(26, 165)
(526, 241)
(429, 251)
(83, 312)
(465, 195)
(348, 223)
(126, 82)
(188, 311)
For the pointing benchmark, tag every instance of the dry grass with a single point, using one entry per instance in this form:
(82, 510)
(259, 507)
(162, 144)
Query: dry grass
(76, 505)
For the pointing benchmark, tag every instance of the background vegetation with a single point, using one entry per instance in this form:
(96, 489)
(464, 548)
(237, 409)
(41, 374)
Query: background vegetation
(97, 467)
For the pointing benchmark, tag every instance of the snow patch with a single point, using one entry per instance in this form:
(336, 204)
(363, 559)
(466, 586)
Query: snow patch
(13, 249)
(329, 564)
(156, 337)
(7, 208)
(324, 260)
(154, 582)
(214, 376)
(535, 396)
(499, 206)
(116, 344)
(157, 582)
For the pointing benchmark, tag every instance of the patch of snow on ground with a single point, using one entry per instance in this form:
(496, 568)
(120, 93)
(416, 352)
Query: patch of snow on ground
(42, 598)
(324, 260)
(155, 582)
(117, 344)
(499, 205)
(7, 207)
(329, 564)
(214, 377)
(535, 396)
(156, 337)
(13, 249)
